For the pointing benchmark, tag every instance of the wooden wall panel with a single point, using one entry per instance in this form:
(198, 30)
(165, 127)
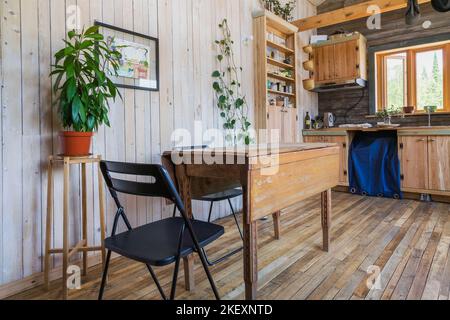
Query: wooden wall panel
(31, 164)
(12, 142)
(2, 103)
(141, 125)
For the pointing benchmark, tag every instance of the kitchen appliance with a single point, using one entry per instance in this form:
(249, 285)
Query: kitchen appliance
(329, 120)
(341, 85)
(441, 5)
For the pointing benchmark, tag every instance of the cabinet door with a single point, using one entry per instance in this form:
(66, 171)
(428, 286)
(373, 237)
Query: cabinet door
(414, 162)
(346, 60)
(343, 158)
(274, 123)
(289, 125)
(439, 163)
(324, 70)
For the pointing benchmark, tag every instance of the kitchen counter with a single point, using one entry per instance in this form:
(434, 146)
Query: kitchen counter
(437, 130)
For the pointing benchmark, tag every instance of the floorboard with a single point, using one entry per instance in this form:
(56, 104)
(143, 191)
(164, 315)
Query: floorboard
(407, 241)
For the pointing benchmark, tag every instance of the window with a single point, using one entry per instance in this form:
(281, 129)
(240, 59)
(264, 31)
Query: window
(416, 76)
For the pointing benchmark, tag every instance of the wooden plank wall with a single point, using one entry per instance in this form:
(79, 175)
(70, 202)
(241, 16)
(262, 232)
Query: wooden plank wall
(31, 32)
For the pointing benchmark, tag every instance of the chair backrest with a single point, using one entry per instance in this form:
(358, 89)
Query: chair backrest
(160, 185)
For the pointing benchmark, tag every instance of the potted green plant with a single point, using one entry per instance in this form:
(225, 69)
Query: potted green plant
(388, 113)
(83, 87)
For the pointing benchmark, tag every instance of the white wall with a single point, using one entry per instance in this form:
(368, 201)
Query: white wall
(31, 31)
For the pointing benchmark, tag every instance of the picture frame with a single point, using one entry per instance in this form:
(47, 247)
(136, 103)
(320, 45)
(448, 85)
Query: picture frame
(140, 58)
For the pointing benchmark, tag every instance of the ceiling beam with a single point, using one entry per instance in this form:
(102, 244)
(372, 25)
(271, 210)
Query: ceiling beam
(354, 12)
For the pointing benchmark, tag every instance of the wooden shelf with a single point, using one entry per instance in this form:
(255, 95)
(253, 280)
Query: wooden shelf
(269, 117)
(281, 93)
(280, 64)
(280, 47)
(280, 77)
(280, 24)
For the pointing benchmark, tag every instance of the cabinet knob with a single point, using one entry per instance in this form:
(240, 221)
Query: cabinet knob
(420, 140)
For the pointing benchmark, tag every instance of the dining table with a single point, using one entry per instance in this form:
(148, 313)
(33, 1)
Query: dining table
(272, 177)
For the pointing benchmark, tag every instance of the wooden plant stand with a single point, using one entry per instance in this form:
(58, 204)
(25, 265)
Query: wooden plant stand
(82, 246)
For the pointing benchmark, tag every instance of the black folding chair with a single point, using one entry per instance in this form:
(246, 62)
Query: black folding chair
(160, 243)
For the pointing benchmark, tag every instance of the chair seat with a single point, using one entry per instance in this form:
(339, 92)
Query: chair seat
(156, 243)
(220, 196)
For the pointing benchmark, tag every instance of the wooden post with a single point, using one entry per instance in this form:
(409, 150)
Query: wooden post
(326, 219)
(84, 213)
(66, 225)
(276, 224)
(184, 186)
(48, 226)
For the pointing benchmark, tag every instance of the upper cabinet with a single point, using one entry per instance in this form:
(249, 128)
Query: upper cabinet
(338, 62)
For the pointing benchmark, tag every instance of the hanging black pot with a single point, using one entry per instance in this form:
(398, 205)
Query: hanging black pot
(412, 13)
(441, 5)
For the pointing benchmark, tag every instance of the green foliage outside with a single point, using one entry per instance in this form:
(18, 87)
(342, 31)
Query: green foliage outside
(429, 84)
(430, 88)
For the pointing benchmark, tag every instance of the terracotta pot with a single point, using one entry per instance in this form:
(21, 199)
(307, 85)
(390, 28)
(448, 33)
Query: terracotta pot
(76, 144)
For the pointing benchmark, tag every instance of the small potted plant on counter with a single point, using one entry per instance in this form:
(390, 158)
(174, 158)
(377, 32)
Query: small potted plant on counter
(388, 113)
(83, 87)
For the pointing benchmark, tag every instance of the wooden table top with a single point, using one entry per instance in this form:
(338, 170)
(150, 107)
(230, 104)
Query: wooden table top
(255, 150)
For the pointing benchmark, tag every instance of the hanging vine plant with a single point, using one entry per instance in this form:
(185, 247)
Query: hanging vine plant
(231, 102)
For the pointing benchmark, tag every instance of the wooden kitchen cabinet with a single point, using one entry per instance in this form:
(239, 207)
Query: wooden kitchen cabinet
(274, 119)
(425, 163)
(414, 162)
(439, 163)
(346, 60)
(337, 61)
(324, 64)
(285, 120)
(289, 125)
(343, 155)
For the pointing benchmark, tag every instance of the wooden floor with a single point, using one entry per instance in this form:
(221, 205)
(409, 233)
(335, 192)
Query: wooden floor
(407, 241)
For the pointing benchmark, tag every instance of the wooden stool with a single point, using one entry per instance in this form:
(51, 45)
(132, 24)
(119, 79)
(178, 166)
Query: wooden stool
(82, 246)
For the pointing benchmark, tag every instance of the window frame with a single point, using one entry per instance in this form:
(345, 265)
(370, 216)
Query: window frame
(411, 76)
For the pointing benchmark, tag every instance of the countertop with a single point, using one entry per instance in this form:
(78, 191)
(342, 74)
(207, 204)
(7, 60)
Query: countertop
(443, 130)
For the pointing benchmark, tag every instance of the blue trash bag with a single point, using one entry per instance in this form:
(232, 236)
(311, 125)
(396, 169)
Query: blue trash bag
(374, 165)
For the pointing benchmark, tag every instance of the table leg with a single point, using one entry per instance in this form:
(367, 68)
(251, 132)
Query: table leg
(184, 186)
(66, 225)
(48, 226)
(250, 242)
(326, 219)
(276, 224)
(251, 260)
(84, 213)
(189, 279)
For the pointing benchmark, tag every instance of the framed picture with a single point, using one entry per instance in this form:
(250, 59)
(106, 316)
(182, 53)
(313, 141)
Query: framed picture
(139, 65)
